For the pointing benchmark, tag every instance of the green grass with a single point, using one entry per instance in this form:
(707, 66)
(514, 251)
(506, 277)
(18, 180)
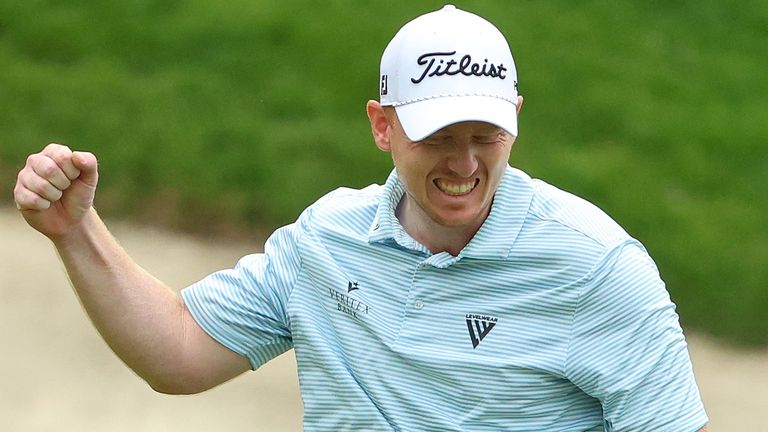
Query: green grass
(213, 114)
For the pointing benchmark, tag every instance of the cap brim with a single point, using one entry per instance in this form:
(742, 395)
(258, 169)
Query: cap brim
(423, 118)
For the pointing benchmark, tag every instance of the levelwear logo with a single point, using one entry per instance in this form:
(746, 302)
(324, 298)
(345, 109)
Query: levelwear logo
(444, 63)
(479, 326)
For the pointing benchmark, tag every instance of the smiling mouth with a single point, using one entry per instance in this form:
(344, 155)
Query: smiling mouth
(456, 188)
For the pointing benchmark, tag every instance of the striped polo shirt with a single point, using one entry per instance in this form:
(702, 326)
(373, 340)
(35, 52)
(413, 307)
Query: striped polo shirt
(552, 318)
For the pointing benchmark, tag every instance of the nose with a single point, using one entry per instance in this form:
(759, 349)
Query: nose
(462, 160)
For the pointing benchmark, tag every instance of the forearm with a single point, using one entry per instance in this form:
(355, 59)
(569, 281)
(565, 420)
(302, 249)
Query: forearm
(139, 317)
(143, 321)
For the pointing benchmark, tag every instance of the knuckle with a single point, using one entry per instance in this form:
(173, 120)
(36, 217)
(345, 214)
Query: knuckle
(40, 203)
(53, 147)
(46, 187)
(24, 199)
(47, 168)
(60, 153)
(17, 191)
(32, 158)
(36, 184)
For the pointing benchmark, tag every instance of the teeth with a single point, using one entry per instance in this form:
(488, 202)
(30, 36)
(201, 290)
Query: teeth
(455, 188)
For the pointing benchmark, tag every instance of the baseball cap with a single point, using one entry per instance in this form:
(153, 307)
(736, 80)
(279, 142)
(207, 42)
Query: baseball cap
(446, 67)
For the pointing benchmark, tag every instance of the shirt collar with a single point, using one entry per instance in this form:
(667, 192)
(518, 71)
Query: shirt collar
(493, 240)
(386, 227)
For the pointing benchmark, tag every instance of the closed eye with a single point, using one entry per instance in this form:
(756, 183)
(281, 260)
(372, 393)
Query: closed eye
(437, 140)
(489, 139)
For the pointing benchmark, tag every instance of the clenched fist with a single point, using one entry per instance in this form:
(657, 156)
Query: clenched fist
(55, 189)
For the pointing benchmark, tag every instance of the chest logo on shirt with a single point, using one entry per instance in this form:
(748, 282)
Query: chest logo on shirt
(351, 286)
(479, 326)
(351, 306)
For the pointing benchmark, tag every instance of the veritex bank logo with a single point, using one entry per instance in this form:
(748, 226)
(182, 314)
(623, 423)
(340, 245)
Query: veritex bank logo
(479, 326)
(347, 303)
(352, 286)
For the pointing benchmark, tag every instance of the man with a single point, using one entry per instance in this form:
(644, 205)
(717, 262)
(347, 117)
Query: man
(460, 295)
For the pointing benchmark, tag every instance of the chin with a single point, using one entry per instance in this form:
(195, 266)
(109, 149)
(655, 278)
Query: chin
(455, 221)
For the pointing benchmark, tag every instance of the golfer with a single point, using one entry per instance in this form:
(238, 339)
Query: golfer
(460, 295)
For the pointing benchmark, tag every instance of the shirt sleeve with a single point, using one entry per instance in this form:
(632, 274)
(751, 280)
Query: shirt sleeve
(627, 348)
(245, 308)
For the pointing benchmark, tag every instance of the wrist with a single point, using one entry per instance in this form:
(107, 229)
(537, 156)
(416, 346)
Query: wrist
(79, 232)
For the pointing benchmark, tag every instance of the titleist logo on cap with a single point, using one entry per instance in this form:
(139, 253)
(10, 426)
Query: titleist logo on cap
(445, 63)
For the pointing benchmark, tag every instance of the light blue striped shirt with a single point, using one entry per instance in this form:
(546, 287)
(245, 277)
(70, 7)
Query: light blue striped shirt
(551, 319)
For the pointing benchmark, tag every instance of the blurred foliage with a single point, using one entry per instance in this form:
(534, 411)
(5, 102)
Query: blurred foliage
(207, 115)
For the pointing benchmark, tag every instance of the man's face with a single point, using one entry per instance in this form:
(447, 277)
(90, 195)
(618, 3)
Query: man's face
(452, 175)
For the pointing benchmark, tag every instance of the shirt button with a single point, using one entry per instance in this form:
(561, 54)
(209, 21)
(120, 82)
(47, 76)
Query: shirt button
(418, 304)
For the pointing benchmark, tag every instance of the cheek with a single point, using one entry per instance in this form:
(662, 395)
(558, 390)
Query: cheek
(414, 175)
(411, 163)
(504, 151)
(497, 157)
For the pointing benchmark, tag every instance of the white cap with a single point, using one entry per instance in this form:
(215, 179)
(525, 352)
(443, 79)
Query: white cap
(446, 67)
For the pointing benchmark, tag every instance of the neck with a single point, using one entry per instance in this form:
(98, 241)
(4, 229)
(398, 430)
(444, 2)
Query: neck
(436, 237)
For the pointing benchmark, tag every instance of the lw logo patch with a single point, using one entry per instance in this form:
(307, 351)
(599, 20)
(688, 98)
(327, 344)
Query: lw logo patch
(479, 326)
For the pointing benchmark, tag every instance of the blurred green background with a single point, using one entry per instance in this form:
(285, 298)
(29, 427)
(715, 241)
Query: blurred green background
(233, 116)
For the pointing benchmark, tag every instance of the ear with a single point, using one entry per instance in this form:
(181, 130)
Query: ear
(380, 126)
(519, 104)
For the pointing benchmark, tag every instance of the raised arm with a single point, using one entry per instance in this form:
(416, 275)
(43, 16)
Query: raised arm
(144, 322)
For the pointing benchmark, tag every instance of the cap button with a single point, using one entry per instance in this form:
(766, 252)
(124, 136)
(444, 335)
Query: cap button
(449, 7)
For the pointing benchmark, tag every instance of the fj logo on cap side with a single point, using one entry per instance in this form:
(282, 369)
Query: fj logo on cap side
(383, 85)
(479, 326)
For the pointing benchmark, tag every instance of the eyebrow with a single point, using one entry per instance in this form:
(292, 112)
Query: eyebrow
(489, 130)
